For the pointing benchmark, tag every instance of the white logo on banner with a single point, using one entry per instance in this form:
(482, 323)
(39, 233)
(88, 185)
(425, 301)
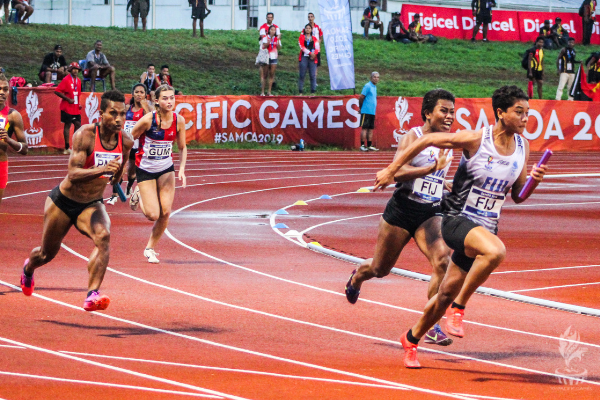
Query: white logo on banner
(33, 135)
(91, 109)
(401, 110)
(569, 351)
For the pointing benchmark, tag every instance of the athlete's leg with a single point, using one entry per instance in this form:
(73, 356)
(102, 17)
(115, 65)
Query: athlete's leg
(488, 251)
(131, 175)
(272, 68)
(390, 242)
(1, 195)
(429, 240)
(66, 134)
(149, 201)
(56, 226)
(166, 194)
(264, 76)
(95, 223)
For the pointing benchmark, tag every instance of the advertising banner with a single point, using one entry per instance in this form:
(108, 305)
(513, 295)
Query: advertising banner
(337, 37)
(332, 120)
(530, 23)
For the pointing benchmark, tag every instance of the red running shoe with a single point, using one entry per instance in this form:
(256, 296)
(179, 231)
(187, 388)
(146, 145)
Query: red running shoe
(96, 301)
(26, 282)
(454, 322)
(410, 352)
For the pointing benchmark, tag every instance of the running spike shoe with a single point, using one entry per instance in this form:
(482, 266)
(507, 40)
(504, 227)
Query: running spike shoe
(96, 302)
(454, 322)
(351, 293)
(410, 352)
(436, 336)
(27, 283)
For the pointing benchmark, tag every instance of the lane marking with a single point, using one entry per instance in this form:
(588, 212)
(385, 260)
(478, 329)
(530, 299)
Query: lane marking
(117, 385)
(555, 287)
(207, 342)
(107, 366)
(242, 371)
(544, 269)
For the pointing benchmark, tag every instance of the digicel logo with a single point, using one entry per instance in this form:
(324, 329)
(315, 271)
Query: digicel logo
(530, 25)
(468, 23)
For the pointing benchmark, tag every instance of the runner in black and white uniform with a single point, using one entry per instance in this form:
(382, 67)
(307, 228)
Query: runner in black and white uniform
(155, 170)
(414, 210)
(493, 163)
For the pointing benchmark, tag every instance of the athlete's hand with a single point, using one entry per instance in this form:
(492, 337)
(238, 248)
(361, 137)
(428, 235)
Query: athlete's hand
(182, 178)
(113, 166)
(3, 135)
(384, 178)
(448, 185)
(538, 173)
(443, 160)
(71, 101)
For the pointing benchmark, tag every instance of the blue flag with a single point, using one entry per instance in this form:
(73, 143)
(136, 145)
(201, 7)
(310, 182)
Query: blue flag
(337, 37)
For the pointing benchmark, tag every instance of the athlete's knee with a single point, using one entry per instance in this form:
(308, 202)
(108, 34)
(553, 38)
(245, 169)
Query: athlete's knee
(496, 254)
(152, 215)
(447, 293)
(440, 263)
(102, 238)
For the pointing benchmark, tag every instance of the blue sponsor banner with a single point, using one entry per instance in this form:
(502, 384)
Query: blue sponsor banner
(337, 37)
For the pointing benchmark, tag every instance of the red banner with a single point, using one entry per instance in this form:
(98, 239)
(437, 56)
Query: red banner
(334, 120)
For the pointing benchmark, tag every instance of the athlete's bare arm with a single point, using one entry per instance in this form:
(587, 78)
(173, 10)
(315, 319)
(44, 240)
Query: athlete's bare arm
(181, 144)
(536, 172)
(142, 125)
(127, 145)
(19, 145)
(469, 141)
(83, 145)
(408, 172)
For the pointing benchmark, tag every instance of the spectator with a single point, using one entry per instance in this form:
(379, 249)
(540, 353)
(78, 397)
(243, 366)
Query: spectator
(368, 105)
(264, 28)
(165, 78)
(587, 18)
(546, 33)
(415, 30)
(370, 19)
(272, 43)
(318, 33)
(98, 66)
(149, 78)
(69, 91)
(23, 10)
(139, 8)
(535, 67)
(560, 35)
(396, 30)
(566, 69)
(199, 11)
(593, 66)
(54, 66)
(482, 11)
(307, 60)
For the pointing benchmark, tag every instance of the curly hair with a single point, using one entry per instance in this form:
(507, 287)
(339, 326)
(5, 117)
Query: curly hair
(506, 97)
(431, 98)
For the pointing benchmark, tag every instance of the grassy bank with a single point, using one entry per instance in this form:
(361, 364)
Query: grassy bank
(223, 62)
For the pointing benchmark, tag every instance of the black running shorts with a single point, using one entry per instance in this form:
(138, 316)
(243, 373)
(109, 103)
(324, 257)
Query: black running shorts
(70, 207)
(367, 121)
(408, 214)
(483, 19)
(69, 118)
(142, 175)
(454, 233)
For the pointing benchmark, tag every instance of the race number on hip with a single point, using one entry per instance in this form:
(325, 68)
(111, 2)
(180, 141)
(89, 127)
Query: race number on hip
(429, 188)
(484, 203)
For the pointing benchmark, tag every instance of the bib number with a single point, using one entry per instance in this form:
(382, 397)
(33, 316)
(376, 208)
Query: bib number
(429, 188)
(2, 123)
(569, 66)
(159, 151)
(397, 29)
(484, 203)
(102, 159)
(54, 76)
(128, 127)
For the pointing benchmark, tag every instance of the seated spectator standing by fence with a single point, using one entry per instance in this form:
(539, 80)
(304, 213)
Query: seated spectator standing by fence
(54, 66)
(396, 30)
(566, 69)
(98, 66)
(149, 78)
(560, 35)
(271, 43)
(23, 9)
(371, 20)
(546, 33)
(199, 11)
(69, 91)
(535, 69)
(165, 78)
(482, 11)
(587, 11)
(307, 60)
(139, 8)
(593, 65)
(415, 30)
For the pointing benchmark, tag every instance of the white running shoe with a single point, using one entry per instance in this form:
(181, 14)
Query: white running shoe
(112, 200)
(134, 200)
(373, 148)
(363, 148)
(150, 254)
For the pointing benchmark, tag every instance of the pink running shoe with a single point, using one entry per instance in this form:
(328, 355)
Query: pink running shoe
(454, 322)
(410, 353)
(96, 301)
(26, 282)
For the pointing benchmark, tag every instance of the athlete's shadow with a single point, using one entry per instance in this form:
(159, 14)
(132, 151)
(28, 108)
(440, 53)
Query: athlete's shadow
(123, 332)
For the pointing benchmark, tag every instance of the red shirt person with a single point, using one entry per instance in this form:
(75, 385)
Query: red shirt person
(69, 90)
(264, 28)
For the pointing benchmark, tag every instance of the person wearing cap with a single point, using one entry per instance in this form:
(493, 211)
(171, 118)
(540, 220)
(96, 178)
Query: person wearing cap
(54, 66)
(370, 19)
(69, 91)
(396, 31)
(560, 35)
(482, 11)
(546, 33)
(415, 32)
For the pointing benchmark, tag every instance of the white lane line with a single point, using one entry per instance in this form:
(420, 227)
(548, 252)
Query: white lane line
(10, 346)
(477, 396)
(544, 269)
(555, 287)
(241, 371)
(37, 179)
(117, 385)
(27, 194)
(107, 366)
(216, 344)
(550, 204)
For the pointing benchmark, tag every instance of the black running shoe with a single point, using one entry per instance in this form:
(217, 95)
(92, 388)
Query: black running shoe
(351, 293)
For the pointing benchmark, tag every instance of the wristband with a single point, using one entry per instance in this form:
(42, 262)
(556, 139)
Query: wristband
(20, 148)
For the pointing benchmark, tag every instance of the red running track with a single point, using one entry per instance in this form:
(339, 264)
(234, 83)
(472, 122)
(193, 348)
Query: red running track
(236, 310)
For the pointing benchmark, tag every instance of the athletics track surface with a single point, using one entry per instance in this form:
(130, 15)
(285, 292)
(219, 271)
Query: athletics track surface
(237, 310)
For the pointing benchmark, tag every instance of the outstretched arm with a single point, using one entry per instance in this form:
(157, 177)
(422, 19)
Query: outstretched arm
(181, 143)
(408, 172)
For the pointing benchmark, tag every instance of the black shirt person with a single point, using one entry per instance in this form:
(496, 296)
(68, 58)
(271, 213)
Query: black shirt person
(396, 30)
(482, 11)
(54, 66)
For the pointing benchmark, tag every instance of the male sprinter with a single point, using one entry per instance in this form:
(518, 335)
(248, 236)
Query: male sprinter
(97, 158)
(10, 122)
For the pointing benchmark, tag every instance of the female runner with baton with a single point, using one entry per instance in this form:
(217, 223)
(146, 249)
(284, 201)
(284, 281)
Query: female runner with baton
(494, 161)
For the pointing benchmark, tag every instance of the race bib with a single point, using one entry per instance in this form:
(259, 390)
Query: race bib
(128, 127)
(484, 203)
(54, 76)
(397, 29)
(102, 159)
(2, 123)
(569, 66)
(159, 151)
(429, 188)
(75, 98)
